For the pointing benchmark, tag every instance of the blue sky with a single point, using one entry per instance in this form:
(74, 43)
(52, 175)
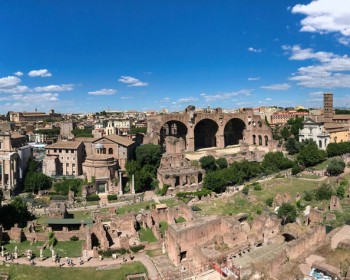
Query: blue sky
(88, 55)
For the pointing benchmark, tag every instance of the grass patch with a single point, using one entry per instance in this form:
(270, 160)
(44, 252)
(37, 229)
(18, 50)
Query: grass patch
(154, 253)
(135, 207)
(309, 176)
(240, 203)
(17, 272)
(146, 235)
(163, 227)
(170, 202)
(180, 220)
(63, 248)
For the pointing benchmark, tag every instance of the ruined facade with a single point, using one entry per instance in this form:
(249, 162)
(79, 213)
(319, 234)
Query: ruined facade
(210, 128)
(175, 170)
(14, 155)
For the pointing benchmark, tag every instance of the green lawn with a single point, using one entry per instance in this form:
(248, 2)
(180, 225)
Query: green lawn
(67, 248)
(135, 207)
(163, 227)
(309, 175)
(254, 202)
(146, 235)
(19, 272)
(180, 220)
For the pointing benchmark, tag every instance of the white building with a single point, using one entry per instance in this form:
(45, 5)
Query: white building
(316, 131)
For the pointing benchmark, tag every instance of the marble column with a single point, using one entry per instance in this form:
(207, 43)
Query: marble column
(133, 183)
(3, 173)
(11, 174)
(120, 183)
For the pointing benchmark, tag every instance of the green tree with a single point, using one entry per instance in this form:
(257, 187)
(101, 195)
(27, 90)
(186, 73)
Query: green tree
(215, 181)
(269, 201)
(274, 162)
(208, 163)
(14, 213)
(148, 154)
(287, 212)
(221, 163)
(335, 167)
(136, 130)
(292, 146)
(35, 181)
(296, 124)
(310, 154)
(324, 192)
(340, 192)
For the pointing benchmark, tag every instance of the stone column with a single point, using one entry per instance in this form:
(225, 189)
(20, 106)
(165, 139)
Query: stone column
(120, 183)
(11, 174)
(3, 173)
(133, 183)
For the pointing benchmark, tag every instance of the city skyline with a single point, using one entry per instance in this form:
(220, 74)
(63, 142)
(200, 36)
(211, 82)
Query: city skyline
(87, 56)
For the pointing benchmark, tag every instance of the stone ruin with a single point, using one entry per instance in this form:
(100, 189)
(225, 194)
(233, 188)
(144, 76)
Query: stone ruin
(57, 210)
(281, 198)
(334, 203)
(175, 170)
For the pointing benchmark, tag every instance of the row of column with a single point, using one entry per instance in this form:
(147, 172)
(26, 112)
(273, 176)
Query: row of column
(121, 183)
(11, 174)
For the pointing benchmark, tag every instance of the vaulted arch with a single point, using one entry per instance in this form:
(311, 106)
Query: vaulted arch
(233, 131)
(173, 128)
(205, 134)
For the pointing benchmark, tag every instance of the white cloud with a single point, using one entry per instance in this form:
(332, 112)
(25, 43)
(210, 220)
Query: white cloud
(328, 71)
(253, 78)
(63, 87)
(325, 16)
(11, 85)
(9, 82)
(103, 91)
(126, 97)
(251, 49)
(276, 87)
(302, 54)
(186, 100)
(316, 93)
(131, 81)
(32, 98)
(40, 73)
(344, 41)
(18, 73)
(268, 99)
(225, 95)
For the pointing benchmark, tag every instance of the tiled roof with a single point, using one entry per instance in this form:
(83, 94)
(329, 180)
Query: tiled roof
(64, 145)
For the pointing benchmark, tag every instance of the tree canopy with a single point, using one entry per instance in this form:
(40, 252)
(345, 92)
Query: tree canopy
(310, 154)
(336, 167)
(287, 212)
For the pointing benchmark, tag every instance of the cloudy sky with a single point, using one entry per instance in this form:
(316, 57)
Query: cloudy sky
(89, 55)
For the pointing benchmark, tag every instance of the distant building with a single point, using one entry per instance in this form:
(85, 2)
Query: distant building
(14, 156)
(19, 117)
(64, 158)
(283, 117)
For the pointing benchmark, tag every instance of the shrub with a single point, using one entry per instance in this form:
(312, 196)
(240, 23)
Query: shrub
(109, 252)
(336, 167)
(324, 192)
(257, 187)
(195, 208)
(137, 248)
(112, 197)
(221, 163)
(74, 238)
(269, 201)
(258, 211)
(245, 190)
(58, 197)
(163, 190)
(308, 196)
(296, 169)
(340, 192)
(92, 197)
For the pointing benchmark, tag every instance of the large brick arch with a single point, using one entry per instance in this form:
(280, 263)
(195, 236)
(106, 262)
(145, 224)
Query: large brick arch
(253, 125)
